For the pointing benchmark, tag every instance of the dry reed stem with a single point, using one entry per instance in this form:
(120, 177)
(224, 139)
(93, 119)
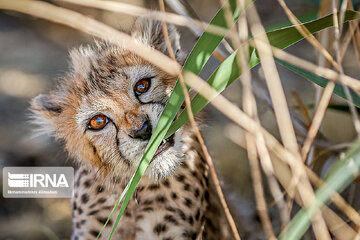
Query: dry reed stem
(346, 42)
(307, 34)
(287, 133)
(336, 225)
(258, 186)
(256, 145)
(341, 70)
(250, 108)
(302, 107)
(356, 37)
(95, 28)
(273, 82)
(320, 71)
(198, 134)
(317, 120)
(129, 9)
(324, 39)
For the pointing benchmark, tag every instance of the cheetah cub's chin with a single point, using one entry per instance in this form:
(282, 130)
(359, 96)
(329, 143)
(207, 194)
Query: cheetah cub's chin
(106, 108)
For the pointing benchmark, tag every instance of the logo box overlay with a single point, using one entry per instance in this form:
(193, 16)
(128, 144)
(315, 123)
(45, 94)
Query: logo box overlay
(38, 182)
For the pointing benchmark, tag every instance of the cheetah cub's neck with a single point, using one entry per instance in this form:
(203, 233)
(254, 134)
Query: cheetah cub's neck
(105, 110)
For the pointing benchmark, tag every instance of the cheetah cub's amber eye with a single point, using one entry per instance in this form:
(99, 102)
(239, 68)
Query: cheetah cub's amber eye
(142, 86)
(98, 122)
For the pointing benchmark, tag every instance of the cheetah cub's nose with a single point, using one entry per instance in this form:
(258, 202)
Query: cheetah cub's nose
(143, 133)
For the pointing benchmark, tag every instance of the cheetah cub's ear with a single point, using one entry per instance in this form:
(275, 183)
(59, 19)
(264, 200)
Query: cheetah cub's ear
(150, 32)
(45, 110)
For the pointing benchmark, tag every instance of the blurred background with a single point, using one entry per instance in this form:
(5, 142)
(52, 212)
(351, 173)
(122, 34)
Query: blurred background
(34, 53)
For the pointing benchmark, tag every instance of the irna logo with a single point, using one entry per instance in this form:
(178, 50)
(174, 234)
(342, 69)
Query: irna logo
(37, 180)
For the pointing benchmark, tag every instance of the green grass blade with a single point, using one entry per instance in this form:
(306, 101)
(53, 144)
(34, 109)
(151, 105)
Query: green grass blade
(195, 62)
(280, 38)
(114, 208)
(322, 82)
(342, 174)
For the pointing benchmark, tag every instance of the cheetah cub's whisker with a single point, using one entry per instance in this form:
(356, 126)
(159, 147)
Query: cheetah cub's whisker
(105, 110)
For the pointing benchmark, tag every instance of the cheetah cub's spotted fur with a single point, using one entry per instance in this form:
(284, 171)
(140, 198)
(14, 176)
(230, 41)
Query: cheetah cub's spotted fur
(104, 110)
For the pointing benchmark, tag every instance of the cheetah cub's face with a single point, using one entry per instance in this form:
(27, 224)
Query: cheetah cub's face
(107, 107)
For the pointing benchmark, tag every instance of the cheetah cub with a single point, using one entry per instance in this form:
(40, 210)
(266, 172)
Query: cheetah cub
(104, 110)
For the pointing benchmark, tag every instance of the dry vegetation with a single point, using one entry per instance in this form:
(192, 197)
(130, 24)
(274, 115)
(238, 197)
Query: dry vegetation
(290, 165)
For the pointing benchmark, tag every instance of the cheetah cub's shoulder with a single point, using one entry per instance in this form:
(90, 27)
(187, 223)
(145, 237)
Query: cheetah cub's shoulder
(105, 110)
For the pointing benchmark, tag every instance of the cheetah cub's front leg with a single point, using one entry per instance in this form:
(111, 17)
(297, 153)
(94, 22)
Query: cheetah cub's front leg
(105, 110)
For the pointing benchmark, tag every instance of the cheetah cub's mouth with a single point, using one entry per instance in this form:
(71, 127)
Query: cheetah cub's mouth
(165, 145)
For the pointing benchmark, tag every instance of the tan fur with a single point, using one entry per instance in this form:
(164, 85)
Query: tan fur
(173, 200)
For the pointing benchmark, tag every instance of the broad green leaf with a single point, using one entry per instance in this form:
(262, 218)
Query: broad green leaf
(322, 82)
(280, 38)
(340, 176)
(195, 62)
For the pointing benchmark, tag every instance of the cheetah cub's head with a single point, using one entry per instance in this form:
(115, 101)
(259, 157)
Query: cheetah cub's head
(107, 107)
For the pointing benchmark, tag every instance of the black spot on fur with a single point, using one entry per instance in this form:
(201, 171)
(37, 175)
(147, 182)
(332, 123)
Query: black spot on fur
(170, 208)
(161, 199)
(101, 200)
(80, 210)
(174, 195)
(187, 187)
(181, 214)
(166, 183)
(93, 212)
(189, 234)
(103, 220)
(197, 215)
(188, 202)
(197, 192)
(140, 189)
(159, 228)
(211, 225)
(147, 202)
(207, 196)
(74, 206)
(195, 174)
(94, 233)
(148, 209)
(170, 219)
(107, 207)
(84, 198)
(139, 217)
(92, 205)
(154, 187)
(180, 177)
(127, 214)
(87, 183)
(191, 220)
